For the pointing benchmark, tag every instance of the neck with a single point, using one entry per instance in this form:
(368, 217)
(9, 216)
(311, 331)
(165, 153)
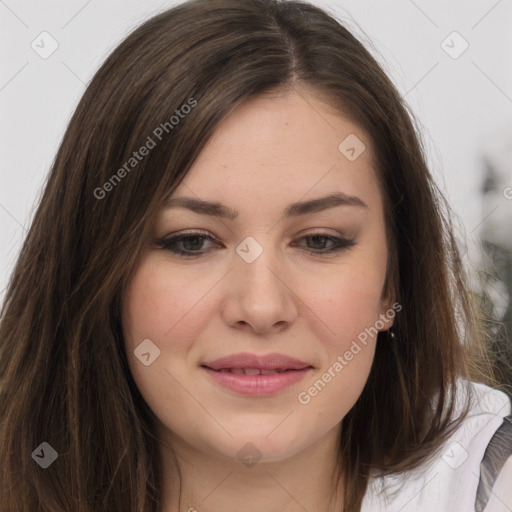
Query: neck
(197, 481)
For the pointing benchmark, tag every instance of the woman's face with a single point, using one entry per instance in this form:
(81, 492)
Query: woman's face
(258, 284)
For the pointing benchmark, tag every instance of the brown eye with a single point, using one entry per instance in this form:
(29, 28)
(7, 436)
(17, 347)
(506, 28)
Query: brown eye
(192, 244)
(319, 241)
(186, 244)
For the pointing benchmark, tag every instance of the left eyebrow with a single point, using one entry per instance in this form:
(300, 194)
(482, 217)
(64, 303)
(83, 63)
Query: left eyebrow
(216, 209)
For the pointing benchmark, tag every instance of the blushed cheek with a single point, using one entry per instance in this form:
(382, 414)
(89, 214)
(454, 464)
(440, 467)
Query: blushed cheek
(350, 351)
(156, 307)
(155, 310)
(350, 303)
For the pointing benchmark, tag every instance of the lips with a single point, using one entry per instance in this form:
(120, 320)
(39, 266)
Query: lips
(250, 363)
(252, 375)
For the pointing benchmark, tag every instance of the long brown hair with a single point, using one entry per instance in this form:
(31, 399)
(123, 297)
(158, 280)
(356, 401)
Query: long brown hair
(63, 371)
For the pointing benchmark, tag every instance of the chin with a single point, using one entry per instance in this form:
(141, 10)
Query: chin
(252, 445)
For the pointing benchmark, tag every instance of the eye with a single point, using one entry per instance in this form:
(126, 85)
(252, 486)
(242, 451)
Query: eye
(320, 239)
(191, 244)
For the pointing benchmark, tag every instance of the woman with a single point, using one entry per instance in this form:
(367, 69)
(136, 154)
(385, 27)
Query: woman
(177, 335)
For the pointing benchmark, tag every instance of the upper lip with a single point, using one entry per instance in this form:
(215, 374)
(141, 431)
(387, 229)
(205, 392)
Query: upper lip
(264, 362)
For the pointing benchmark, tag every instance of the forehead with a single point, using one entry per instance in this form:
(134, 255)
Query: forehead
(283, 147)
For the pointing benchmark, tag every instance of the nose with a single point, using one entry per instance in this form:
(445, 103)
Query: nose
(259, 295)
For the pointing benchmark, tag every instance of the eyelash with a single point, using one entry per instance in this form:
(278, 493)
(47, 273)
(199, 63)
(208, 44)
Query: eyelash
(170, 242)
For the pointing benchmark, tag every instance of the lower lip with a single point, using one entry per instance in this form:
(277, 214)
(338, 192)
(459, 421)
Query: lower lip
(257, 385)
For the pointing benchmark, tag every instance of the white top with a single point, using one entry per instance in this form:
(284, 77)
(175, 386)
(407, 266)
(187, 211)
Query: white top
(449, 482)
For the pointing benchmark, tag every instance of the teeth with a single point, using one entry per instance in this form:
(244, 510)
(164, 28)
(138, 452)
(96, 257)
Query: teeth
(250, 371)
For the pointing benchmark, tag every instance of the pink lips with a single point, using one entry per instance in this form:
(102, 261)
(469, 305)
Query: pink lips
(249, 374)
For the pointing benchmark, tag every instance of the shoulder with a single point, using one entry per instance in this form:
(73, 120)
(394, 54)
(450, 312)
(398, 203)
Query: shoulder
(500, 499)
(495, 470)
(450, 481)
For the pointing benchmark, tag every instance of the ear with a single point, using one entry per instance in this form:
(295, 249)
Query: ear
(388, 306)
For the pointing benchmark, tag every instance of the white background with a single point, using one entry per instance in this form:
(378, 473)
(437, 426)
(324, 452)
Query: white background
(463, 104)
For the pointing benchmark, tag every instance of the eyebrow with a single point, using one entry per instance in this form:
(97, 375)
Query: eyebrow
(216, 209)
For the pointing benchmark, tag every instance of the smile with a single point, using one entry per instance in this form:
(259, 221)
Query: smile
(256, 375)
(251, 371)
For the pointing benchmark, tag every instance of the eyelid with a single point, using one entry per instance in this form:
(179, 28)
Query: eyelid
(306, 232)
(175, 237)
(303, 234)
(340, 241)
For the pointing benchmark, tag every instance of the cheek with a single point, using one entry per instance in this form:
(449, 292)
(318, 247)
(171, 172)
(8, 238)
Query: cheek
(347, 307)
(348, 338)
(352, 321)
(159, 306)
(347, 301)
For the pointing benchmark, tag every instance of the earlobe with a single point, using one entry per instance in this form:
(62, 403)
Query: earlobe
(389, 308)
(385, 321)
